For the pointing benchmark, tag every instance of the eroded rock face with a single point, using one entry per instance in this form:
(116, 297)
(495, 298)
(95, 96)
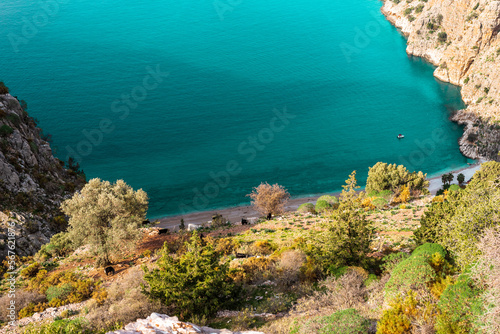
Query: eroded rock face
(163, 324)
(461, 38)
(32, 181)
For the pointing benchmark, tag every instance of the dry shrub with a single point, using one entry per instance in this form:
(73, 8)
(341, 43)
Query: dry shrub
(125, 303)
(367, 203)
(347, 291)
(289, 268)
(487, 273)
(22, 299)
(262, 247)
(257, 269)
(226, 246)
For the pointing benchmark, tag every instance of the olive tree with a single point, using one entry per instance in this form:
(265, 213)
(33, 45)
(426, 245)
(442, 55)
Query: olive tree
(269, 199)
(106, 216)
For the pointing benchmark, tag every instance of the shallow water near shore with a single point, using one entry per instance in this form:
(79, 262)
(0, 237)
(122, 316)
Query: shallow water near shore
(294, 92)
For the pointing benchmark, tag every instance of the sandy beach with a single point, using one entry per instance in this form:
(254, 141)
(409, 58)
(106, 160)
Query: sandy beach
(236, 213)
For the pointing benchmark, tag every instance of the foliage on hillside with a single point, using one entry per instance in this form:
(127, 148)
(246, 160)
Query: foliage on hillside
(334, 271)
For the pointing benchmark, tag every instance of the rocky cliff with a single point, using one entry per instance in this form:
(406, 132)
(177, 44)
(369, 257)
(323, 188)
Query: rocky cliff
(460, 37)
(32, 181)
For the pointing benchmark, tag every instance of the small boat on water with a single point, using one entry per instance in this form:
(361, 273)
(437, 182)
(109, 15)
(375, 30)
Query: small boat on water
(400, 136)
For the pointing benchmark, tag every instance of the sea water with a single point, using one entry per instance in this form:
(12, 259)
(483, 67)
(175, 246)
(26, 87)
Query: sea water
(196, 102)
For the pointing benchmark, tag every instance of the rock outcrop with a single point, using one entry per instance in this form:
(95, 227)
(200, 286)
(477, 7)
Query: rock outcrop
(32, 181)
(460, 37)
(163, 324)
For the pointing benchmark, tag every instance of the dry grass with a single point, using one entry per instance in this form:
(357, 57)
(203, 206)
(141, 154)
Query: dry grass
(22, 298)
(487, 272)
(125, 303)
(348, 291)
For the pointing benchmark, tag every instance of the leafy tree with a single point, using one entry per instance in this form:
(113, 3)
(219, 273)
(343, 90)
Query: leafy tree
(479, 210)
(383, 176)
(347, 237)
(196, 283)
(269, 199)
(447, 178)
(439, 215)
(106, 216)
(460, 178)
(461, 219)
(487, 177)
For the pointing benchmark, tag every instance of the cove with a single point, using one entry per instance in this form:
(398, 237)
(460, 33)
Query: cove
(207, 129)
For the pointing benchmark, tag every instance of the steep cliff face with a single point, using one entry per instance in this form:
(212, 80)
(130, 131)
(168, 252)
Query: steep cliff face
(460, 37)
(32, 181)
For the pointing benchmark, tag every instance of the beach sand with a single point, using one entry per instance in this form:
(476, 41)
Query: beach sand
(235, 214)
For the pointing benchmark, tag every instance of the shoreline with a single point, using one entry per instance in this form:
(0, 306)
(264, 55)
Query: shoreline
(234, 214)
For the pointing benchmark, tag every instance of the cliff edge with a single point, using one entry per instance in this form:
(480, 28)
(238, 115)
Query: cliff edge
(32, 181)
(460, 37)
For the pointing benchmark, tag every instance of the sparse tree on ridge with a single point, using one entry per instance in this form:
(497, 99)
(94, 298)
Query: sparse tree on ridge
(106, 216)
(269, 199)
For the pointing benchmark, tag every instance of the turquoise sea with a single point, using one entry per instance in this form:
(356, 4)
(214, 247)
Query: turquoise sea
(181, 98)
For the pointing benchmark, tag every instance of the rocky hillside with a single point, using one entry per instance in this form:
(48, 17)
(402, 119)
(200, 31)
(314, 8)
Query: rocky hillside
(460, 37)
(32, 181)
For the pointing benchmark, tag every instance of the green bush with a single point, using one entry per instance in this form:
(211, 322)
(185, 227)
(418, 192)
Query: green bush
(306, 208)
(195, 283)
(392, 260)
(380, 202)
(60, 245)
(322, 206)
(414, 273)
(60, 292)
(347, 321)
(459, 306)
(442, 36)
(454, 187)
(31, 270)
(76, 326)
(326, 202)
(429, 249)
(386, 194)
(5, 131)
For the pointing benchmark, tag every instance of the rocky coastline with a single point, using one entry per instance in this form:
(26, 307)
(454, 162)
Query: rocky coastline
(461, 39)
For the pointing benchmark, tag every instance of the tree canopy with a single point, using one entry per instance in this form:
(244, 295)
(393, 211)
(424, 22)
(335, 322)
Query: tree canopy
(106, 216)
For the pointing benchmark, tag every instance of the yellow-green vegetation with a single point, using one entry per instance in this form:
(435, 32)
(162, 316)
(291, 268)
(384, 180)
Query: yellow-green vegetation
(416, 264)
